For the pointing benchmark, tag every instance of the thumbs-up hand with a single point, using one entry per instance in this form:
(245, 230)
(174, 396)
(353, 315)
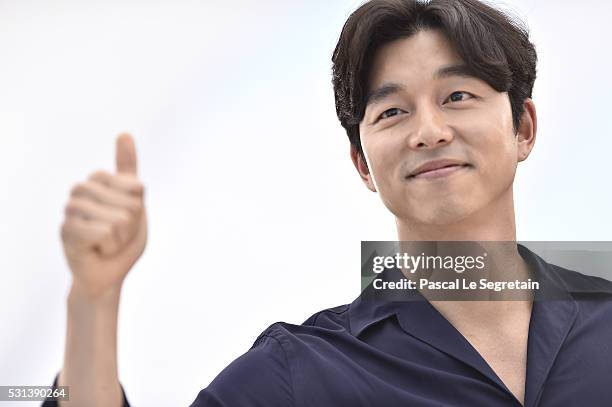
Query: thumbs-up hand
(104, 231)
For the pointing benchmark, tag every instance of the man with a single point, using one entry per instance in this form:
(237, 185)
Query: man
(436, 101)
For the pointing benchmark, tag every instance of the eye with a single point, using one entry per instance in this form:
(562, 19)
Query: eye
(394, 111)
(458, 96)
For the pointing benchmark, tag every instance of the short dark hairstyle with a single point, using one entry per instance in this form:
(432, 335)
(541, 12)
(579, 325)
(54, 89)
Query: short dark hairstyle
(494, 46)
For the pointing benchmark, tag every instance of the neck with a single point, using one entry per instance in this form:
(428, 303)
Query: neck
(494, 222)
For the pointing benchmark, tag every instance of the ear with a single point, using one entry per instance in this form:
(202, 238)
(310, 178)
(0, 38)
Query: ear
(362, 168)
(527, 130)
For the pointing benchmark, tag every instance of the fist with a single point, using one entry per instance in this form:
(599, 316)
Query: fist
(104, 231)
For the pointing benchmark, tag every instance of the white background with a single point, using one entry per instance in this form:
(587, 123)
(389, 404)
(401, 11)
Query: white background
(245, 165)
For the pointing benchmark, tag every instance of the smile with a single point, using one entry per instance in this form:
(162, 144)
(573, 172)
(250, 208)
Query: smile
(440, 172)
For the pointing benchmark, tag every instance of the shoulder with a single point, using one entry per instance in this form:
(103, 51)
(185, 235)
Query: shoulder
(593, 297)
(258, 377)
(329, 317)
(582, 285)
(265, 374)
(327, 323)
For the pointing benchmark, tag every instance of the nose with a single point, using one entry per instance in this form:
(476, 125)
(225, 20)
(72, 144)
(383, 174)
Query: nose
(430, 129)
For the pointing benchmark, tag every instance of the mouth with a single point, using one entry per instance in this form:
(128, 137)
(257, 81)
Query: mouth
(439, 172)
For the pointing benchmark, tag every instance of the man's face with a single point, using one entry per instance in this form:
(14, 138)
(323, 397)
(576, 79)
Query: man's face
(416, 115)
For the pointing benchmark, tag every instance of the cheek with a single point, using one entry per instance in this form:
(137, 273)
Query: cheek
(489, 134)
(384, 154)
(495, 150)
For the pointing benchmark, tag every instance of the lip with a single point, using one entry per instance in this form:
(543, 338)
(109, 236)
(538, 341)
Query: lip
(437, 168)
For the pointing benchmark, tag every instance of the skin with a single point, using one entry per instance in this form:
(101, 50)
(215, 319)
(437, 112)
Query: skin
(461, 118)
(104, 232)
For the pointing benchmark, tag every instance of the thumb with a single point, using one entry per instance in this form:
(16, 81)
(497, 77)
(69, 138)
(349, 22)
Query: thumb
(126, 154)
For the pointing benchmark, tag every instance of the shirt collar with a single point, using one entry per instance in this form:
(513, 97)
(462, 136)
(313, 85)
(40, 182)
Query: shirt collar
(365, 311)
(550, 323)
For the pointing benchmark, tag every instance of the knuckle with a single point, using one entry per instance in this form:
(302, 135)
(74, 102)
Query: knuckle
(133, 206)
(74, 203)
(137, 188)
(89, 184)
(71, 206)
(98, 175)
(76, 189)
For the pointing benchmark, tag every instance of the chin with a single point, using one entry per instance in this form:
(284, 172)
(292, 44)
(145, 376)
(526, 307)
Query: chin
(440, 215)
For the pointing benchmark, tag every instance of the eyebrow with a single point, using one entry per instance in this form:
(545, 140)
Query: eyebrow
(391, 88)
(383, 92)
(454, 70)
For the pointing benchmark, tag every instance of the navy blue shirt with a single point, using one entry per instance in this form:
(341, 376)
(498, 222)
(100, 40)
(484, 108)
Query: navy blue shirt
(405, 353)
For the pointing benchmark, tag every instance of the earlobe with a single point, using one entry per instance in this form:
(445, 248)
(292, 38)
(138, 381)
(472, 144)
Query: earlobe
(362, 168)
(527, 130)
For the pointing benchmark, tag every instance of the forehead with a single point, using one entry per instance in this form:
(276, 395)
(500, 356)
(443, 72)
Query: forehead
(413, 59)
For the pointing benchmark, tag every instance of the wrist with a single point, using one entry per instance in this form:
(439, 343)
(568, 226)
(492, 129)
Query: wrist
(81, 295)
